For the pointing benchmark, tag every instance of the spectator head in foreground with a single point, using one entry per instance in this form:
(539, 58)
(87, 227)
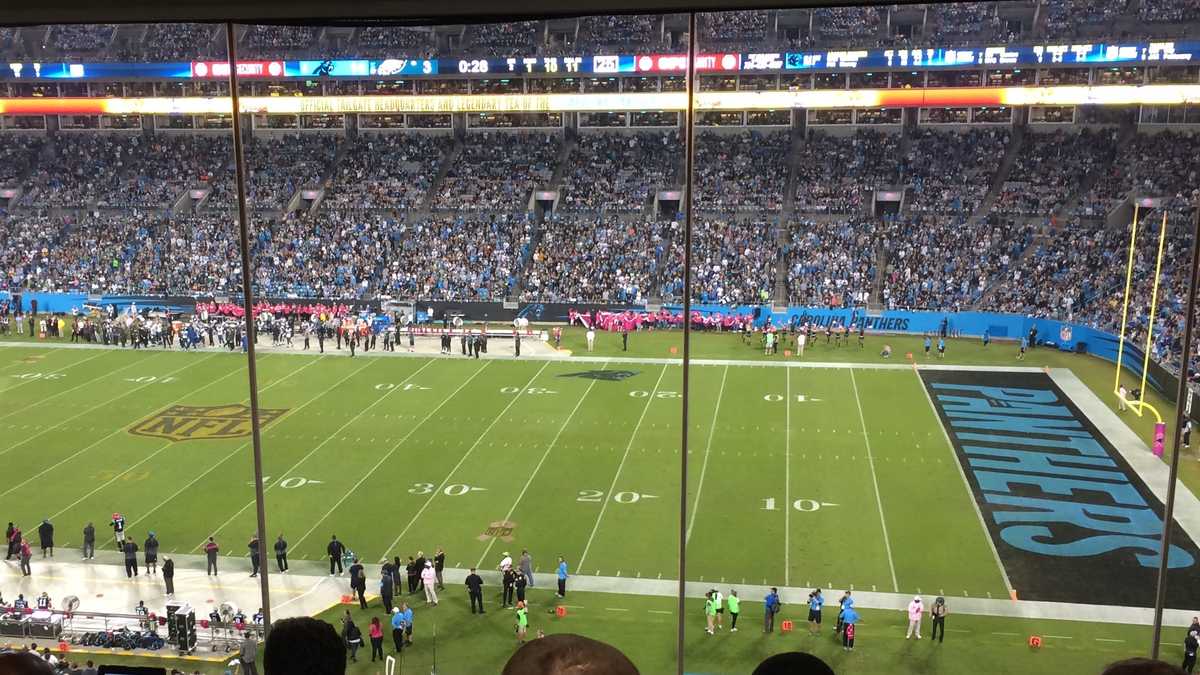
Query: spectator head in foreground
(793, 663)
(304, 645)
(567, 653)
(1141, 666)
(24, 663)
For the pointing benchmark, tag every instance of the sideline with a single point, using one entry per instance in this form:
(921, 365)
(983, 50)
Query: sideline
(104, 588)
(566, 356)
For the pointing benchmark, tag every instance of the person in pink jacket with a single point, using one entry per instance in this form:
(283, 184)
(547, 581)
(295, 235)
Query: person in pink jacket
(915, 610)
(429, 580)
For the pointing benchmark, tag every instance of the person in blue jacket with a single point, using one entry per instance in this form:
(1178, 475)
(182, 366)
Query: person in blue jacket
(815, 602)
(398, 629)
(771, 607)
(843, 604)
(407, 613)
(562, 577)
(849, 619)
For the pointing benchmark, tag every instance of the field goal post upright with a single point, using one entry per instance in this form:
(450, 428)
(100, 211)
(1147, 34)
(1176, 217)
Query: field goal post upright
(1139, 406)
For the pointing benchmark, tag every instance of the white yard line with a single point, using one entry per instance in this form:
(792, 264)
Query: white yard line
(21, 382)
(320, 445)
(117, 477)
(463, 459)
(240, 448)
(534, 473)
(85, 383)
(389, 454)
(707, 449)
(105, 402)
(966, 485)
(98, 440)
(613, 486)
(875, 481)
(787, 478)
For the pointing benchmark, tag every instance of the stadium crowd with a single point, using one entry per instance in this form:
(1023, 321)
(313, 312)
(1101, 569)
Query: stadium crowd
(498, 171)
(831, 263)
(741, 172)
(834, 172)
(592, 259)
(939, 262)
(959, 180)
(1051, 166)
(387, 171)
(618, 172)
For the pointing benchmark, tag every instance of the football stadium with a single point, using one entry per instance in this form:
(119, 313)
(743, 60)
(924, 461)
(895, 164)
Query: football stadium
(814, 339)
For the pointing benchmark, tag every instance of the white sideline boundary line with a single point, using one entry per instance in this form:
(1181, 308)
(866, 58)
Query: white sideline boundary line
(581, 359)
(887, 544)
(391, 452)
(312, 452)
(479, 439)
(1154, 472)
(707, 450)
(533, 474)
(966, 484)
(239, 449)
(613, 485)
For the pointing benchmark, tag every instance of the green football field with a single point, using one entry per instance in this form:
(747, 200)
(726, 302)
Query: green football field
(396, 455)
(837, 477)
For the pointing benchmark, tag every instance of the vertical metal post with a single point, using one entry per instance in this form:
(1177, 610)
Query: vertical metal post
(248, 302)
(1180, 413)
(689, 152)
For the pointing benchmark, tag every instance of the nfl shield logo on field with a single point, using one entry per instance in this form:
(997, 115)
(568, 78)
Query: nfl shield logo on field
(189, 422)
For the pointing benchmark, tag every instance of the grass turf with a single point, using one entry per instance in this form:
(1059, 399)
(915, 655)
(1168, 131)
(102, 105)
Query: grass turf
(396, 455)
(645, 628)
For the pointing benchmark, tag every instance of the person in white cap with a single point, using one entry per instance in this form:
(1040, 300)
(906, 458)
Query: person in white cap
(506, 562)
(429, 580)
(915, 610)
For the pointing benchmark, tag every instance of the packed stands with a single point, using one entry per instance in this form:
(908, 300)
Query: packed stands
(960, 177)
(743, 27)
(1051, 166)
(274, 41)
(831, 262)
(1153, 165)
(387, 171)
(592, 259)
(452, 257)
(734, 261)
(180, 42)
(1169, 11)
(834, 172)
(498, 171)
(631, 31)
(394, 42)
(1064, 18)
(18, 154)
(843, 25)
(618, 172)
(80, 38)
(935, 262)
(279, 165)
(741, 172)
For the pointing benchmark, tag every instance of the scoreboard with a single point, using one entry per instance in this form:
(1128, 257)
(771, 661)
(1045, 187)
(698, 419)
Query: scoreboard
(1184, 52)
